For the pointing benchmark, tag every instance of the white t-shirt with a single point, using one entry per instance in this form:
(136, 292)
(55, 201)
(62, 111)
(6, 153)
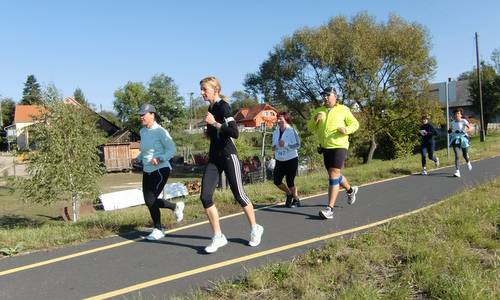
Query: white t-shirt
(459, 125)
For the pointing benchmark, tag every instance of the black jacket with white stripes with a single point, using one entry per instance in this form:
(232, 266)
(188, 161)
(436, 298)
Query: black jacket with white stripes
(221, 143)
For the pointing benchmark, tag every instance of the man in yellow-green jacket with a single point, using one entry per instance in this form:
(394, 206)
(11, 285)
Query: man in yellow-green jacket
(332, 123)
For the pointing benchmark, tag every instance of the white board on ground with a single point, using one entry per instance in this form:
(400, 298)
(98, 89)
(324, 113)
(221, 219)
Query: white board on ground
(134, 197)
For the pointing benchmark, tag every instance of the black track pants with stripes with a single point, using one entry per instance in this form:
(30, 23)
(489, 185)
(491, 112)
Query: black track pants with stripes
(231, 166)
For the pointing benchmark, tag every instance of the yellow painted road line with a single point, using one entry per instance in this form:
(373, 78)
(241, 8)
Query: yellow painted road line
(62, 258)
(66, 257)
(103, 248)
(233, 261)
(119, 244)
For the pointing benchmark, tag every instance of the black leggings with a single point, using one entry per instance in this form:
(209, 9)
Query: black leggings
(464, 153)
(231, 166)
(286, 168)
(152, 186)
(427, 148)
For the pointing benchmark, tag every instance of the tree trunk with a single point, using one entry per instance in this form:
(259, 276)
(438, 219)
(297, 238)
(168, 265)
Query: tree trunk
(373, 146)
(75, 206)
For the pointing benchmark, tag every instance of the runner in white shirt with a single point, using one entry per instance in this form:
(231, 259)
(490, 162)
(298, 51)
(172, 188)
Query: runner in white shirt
(285, 144)
(459, 139)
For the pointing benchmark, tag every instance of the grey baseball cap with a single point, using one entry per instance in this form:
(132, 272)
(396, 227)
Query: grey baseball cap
(147, 108)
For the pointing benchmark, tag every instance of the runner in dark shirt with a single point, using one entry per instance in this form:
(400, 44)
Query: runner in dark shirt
(427, 143)
(222, 129)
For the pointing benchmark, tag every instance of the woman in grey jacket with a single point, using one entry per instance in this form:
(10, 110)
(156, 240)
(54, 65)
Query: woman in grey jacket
(285, 144)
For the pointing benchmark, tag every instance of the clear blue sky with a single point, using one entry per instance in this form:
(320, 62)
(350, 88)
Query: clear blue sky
(101, 45)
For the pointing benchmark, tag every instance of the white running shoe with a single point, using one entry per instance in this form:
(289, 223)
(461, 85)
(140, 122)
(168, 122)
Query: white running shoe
(351, 198)
(326, 213)
(469, 166)
(179, 211)
(256, 235)
(437, 162)
(155, 235)
(424, 172)
(457, 173)
(216, 243)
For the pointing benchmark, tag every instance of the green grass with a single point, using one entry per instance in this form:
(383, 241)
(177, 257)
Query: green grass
(27, 227)
(449, 251)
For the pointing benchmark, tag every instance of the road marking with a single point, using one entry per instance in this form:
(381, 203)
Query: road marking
(233, 261)
(54, 260)
(119, 244)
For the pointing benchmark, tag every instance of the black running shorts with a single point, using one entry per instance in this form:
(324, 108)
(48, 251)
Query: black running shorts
(334, 158)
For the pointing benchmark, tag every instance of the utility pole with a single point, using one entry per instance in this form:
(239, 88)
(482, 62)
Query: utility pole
(447, 92)
(1, 116)
(481, 130)
(191, 111)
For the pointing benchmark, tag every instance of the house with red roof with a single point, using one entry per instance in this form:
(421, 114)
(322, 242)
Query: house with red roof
(253, 117)
(24, 116)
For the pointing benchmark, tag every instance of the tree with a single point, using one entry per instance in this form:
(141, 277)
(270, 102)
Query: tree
(380, 69)
(78, 95)
(161, 92)
(240, 99)
(66, 164)
(495, 58)
(199, 108)
(164, 95)
(8, 107)
(490, 86)
(31, 92)
(128, 100)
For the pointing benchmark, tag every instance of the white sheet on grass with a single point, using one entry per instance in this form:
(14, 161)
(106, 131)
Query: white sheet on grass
(134, 197)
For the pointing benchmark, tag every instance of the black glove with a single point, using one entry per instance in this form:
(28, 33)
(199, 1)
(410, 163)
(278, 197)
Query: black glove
(320, 149)
(449, 131)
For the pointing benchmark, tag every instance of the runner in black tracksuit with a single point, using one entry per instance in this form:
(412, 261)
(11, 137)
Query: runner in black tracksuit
(222, 129)
(427, 133)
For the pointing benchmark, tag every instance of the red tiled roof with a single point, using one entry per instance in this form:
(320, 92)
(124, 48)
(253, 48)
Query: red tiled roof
(25, 113)
(248, 114)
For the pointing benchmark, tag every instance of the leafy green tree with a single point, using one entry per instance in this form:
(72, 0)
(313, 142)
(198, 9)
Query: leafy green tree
(128, 100)
(80, 97)
(51, 94)
(161, 92)
(490, 86)
(66, 164)
(243, 147)
(32, 93)
(164, 95)
(8, 107)
(240, 99)
(380, 69)
(200, 108)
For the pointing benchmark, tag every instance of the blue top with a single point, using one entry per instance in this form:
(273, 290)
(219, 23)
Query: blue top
(156, 143)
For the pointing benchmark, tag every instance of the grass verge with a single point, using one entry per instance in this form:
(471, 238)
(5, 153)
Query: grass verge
(19, 233)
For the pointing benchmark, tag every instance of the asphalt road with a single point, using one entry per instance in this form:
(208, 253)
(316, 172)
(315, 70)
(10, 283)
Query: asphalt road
(131, 268)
